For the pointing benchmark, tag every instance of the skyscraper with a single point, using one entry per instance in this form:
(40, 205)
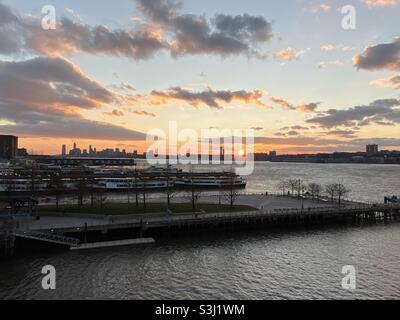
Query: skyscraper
(64, 150)
(372, 148)
(8, 146)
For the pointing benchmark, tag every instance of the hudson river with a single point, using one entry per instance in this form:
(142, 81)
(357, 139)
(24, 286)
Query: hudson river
(272, 264)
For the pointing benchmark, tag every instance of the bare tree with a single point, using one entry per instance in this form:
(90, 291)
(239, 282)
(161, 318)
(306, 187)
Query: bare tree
(136, 186)
(341, 191)
(292, 183)
(169, 190)
(195, 194)
(297, 186)
(57, 186)
(144, 190)
(33, 177)
(84, 184)
(330, 190)
(232, 194)
(282, 185)
(314, 189)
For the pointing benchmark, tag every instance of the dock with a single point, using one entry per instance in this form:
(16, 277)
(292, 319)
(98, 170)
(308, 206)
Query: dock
(269, 211)
(90, 231)
(117, 243)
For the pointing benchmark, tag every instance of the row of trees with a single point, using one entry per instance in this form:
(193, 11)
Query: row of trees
(297, 187)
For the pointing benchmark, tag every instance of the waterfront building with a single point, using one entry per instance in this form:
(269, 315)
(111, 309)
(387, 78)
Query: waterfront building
(8, 146)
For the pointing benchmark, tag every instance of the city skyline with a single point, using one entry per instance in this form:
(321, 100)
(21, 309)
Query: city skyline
(109, 74)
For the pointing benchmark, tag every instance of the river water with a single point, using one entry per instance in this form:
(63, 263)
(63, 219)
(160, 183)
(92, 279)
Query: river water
(272, 264)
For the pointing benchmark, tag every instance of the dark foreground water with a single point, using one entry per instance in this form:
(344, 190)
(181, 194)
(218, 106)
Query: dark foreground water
(270, 264)
(301, 264)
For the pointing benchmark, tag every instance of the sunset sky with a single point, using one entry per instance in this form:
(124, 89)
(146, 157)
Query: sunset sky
(113, 70)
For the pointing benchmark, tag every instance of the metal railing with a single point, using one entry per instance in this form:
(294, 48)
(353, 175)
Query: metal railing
(48, 237)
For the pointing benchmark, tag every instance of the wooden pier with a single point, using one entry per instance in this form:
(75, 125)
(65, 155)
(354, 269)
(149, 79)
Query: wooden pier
(147, 224)
(82, 230)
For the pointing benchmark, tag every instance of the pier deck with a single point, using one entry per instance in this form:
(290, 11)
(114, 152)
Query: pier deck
(270, 211)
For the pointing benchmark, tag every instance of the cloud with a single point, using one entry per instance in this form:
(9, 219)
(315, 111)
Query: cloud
(384, 56)
(211, 98)
(331, 47)
(223, 35)
(25, 34)
(380, 110)
(392, 82)
(115, 113)
(294, 128)
(257, 128)
(9, 41)
(164, 29)
(342, 133)
(380, 3)
(306, 107)
(144, 113)
(325, 64)
(289, 54)
(323, 7)
(71, 37)
(313, 144)
(50, 83)
(45, 96)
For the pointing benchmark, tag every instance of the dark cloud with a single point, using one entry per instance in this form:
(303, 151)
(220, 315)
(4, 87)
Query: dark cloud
(30, 122)
(380, 110)
(244, 27)
(379, 57)
(144, 113)
(44, 97)
(71, 37)
(167, 30)
(306, 107)
(222, 35)
(50, 83)
(25, 34)
(9, 39)
(342, 133)
(209, 97)
(115, 113)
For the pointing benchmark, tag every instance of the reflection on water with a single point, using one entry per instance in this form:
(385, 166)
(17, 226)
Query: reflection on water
(297, 264)
(267, 264)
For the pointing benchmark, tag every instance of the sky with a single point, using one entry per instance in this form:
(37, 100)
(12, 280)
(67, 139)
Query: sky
(110, 72)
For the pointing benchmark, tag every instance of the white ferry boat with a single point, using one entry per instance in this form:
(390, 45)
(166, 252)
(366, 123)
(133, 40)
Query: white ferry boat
(22, 185)
(115, 184)
(207, 181)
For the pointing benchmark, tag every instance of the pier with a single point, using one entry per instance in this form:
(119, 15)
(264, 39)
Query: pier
(89, 231)
(268, 213)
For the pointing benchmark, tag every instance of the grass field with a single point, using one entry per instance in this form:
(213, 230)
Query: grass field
(125, 208)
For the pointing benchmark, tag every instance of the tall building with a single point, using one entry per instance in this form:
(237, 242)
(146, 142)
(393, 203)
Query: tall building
(64, 150)
(372, 149)
(8, 147)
